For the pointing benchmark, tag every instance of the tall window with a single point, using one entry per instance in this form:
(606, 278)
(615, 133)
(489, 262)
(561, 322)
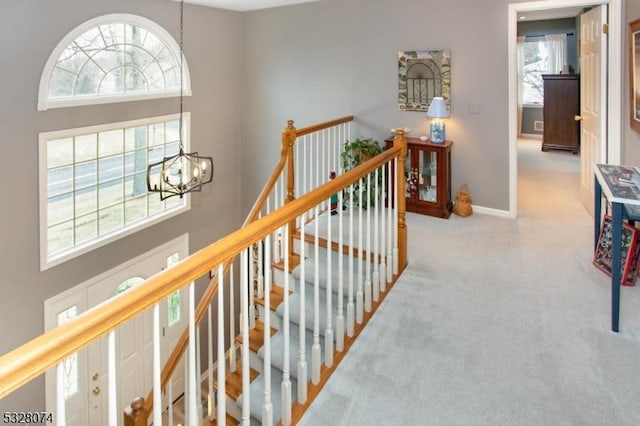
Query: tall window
(93, 180)
(110, 59)
(541, 55)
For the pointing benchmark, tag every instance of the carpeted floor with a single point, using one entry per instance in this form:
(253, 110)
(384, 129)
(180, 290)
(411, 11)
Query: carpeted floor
(497, 322)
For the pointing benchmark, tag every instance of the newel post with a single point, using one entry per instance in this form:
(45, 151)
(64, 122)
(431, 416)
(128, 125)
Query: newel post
(401, 141)
(136, 414)
(289, 136)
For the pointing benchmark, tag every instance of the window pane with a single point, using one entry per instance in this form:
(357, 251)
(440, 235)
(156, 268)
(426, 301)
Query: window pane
(174, 202)
(156, 154)
(86, 147)
(61, 83)
(135, 34)
(86, 228)
(72, 59)
(155, 205)
(59, 237)
(59, 181)
(69, 364)
(172, 149)
(173, 131)
(110, 59)
(135, 80)
(91, 41)
(156, 134)
(155, 77)
(86, 200)
(59, 152)
(113, 33)
(110, 168)
(113, 82)
(110, 142)
(135, 185)
(86, 174)
(110, 193)
(110, 219)
(135, 138)
(135, 209)
(152, 44)
(59, 209)
(89, 80)
(138, 58)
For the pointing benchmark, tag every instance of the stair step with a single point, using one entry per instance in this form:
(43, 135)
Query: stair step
(293, 262)
(256, 392)
(256, 336)
(233, 381)
(230, 420)
(276, 297)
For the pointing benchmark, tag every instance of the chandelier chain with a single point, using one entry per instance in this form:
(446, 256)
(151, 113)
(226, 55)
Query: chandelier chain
(181, 70)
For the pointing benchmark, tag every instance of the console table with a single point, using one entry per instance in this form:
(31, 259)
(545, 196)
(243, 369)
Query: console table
(620, 185)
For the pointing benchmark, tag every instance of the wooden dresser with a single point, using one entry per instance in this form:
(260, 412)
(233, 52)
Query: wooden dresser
(561, 106)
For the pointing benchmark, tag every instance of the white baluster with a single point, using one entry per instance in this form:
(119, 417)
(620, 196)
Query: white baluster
(222, 404)
(340, 315)
(61, 415)
(276, 240)
(395, 223)
(252, 297)
(360, 282)
(350, 305)
(157, 366)
(286, 375)
(315, 348)
(244, 300)
(324, 172)
(366, 254)
(210, 395)
(390, 201)
(232, 321)
(198, 383)
(187, 378)
(113, 396)
(383, 233)
(328, 331)
(260, 270)
(170, 401)
(375, 278)
(192, 413)
(267, 405)
(302, 361)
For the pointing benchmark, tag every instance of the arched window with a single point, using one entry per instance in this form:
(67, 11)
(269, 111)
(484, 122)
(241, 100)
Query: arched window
(112, 58)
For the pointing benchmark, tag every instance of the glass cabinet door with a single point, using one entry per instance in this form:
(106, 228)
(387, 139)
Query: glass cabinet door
(428, 172)
(409, 176)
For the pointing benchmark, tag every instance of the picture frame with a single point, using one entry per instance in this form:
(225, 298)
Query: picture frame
(634, 74)
(422, 75)
(630, 253)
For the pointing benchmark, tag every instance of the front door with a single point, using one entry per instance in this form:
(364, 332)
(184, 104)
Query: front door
(593, 99)
(86, 386)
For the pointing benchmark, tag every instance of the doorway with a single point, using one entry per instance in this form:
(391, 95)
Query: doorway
(612, 82)
(86, 372)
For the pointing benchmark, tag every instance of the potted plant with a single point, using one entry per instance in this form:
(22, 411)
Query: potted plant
(355, 152)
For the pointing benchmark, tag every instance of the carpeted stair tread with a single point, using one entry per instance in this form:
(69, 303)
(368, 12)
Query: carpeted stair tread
(294, 309)
(256, 395)
(277, 350)
(233, 381)
(256, 336)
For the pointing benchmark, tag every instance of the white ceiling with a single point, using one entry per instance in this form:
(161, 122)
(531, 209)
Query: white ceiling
(244, 5)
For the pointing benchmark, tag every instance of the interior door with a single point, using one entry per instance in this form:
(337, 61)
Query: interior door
(593, 99)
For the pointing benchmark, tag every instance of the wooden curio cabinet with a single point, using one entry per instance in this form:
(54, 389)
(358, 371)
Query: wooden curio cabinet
(427, 177)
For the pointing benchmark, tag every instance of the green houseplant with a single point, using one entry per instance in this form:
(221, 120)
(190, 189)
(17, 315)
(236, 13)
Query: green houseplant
(355, 152)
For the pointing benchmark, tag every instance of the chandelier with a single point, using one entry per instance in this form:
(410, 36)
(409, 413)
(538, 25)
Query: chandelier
(184, 172)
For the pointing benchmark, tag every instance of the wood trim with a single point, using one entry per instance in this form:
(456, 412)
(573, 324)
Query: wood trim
(32, 359)
(322, 126)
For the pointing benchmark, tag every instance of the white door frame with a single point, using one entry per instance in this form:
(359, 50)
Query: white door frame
(614, 82)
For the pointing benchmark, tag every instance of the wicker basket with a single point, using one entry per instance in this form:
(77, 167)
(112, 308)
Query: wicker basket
(462, 206)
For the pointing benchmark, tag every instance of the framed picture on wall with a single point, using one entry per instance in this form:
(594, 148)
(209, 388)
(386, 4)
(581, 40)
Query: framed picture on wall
(422, 75)
(634, 71)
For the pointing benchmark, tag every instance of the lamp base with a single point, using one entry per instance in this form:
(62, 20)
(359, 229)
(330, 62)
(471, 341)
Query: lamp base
(437, 131)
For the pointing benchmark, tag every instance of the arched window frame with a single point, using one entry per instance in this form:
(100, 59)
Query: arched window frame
(44, 102)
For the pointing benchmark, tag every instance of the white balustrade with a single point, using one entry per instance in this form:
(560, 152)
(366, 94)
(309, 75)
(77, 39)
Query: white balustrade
(244, 300)
(340, 314)
(267, 405)
(350, 304)
(302, 362)
(157, 366)
(222, 403)
(375, 278)
(113, 411)
(328, 331)
(315, 348)
(360, 292)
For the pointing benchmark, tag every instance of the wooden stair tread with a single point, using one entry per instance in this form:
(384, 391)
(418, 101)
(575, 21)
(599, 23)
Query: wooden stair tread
(230, 420)
(293, 262)
(256, 336)
(276, 297)
(233, 381)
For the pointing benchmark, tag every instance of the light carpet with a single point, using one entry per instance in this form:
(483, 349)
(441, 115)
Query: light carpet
(497, 322)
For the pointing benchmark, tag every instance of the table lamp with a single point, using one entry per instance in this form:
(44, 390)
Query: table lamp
(437, 110)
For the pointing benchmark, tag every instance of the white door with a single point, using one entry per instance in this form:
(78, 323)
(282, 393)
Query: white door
(593, 99)
(87, 399)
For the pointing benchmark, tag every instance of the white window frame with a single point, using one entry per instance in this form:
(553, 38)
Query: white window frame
(47, 262)
(44, 102)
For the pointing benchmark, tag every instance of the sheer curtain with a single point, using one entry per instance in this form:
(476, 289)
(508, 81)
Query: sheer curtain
(557, 50)
(520, 60)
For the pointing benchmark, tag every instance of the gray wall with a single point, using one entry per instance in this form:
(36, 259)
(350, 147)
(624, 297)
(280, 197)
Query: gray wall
(326, 59)
(29, 30)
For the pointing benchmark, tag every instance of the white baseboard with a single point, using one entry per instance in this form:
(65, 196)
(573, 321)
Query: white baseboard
(493, 212)
(531, 135)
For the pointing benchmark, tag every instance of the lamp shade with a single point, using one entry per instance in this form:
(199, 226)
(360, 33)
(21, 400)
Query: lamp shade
(438, 108)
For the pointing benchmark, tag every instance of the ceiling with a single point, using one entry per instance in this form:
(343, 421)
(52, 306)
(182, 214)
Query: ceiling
(563, 12)
(244, 5)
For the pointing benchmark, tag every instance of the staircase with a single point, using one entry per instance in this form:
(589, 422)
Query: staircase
(322, 265)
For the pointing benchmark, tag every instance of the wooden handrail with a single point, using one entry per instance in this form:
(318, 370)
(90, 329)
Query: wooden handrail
(32, 359)
(322, 126)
